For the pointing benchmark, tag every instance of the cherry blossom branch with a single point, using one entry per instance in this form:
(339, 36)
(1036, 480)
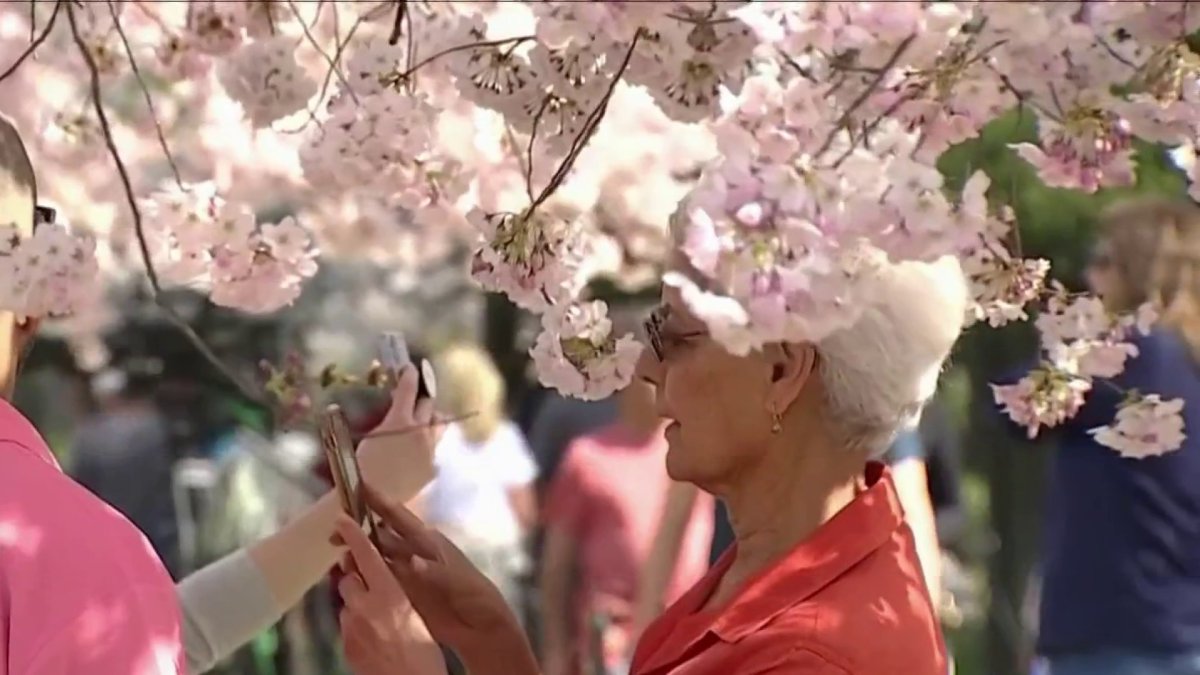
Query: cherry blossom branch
(139, 230)
(1023, 99)
(35, 42)
(589, 128)
(337, 56)
(333, 66)
(398, 24)
(514, 41)
(858, 102)
(137, 72)
(537, 119)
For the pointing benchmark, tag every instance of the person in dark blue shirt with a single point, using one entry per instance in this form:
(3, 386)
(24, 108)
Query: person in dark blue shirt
(1121, 557)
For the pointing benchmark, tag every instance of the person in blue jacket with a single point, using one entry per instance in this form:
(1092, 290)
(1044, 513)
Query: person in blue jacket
(1121, 556)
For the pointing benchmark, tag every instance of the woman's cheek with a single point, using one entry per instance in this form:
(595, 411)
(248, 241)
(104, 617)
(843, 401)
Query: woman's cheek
(690, 390)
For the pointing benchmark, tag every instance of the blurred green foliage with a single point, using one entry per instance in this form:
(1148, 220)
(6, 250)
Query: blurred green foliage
(1004, 475)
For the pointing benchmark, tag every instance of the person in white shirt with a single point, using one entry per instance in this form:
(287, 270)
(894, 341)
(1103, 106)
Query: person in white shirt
(482, 497)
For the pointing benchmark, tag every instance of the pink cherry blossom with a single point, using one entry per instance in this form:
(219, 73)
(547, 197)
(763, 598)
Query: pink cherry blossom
(577, 353)
(1145, 426)
(797, 144)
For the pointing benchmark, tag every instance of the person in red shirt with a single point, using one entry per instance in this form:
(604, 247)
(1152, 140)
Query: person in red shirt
(601, 513)
(823, 577)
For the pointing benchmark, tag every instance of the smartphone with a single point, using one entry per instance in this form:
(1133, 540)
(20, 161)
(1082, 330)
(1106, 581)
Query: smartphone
(343, 464)
(393, 354)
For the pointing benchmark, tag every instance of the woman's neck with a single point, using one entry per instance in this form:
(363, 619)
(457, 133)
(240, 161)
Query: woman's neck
(779, 502)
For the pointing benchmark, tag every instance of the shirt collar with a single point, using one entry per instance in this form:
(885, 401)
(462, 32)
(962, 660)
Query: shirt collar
(852, 534)
(16, 429)
(860, 528)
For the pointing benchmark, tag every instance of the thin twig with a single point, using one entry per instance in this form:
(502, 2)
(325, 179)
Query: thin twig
(35, 43)
(398, 24)
(801, 70)
(317, 46)
(139, 230)
(866, 93)
(162, 140)
(473, 45)
(337, 56)
(590, 126)
(1112, 51)
(1022, 98)
(537, 119)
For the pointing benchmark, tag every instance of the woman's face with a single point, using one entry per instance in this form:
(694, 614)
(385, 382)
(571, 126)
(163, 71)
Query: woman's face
(716, 402)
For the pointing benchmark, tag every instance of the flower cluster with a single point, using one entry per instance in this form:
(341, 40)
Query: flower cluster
(197, 238)
(578, 353)
(50, 274)
(476, 121)
(264, 77)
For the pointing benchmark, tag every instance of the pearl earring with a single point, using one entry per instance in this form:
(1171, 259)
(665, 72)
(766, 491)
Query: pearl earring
(776, 422)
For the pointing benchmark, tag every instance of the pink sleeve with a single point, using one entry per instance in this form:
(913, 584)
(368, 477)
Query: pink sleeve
(131, 631)
(565, 501)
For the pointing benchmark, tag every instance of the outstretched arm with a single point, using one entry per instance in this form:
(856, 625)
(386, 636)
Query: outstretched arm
(227, 603)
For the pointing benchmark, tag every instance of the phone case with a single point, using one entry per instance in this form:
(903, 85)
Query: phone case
(343, 464)
(394, 355)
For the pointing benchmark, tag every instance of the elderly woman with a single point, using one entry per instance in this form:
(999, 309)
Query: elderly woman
(823, 576)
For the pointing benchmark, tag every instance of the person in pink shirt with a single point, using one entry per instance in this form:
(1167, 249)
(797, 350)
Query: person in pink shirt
(81, 590)
(601, 513)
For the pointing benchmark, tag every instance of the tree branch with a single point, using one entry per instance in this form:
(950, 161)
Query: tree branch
(866, 94)
(333, 65)
(337, 57)
(398, 24)
(162, 140)
(473, 45)
(35, 43)
(249, 392)
(590, 125)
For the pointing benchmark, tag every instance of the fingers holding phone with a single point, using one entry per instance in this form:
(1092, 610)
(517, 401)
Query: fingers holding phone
(397, 456)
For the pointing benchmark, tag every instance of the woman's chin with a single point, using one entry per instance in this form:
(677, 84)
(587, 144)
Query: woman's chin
(677, 459)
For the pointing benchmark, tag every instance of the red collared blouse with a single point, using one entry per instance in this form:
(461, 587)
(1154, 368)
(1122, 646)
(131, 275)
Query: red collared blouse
(849, 600)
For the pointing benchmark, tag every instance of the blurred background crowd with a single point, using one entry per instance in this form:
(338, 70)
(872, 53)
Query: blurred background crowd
(565, 504)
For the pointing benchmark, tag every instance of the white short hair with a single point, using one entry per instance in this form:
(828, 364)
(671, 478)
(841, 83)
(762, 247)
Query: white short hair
(880, 371)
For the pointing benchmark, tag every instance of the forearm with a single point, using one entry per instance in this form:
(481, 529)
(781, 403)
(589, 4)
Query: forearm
(223, 606)
(502, 652)
(300, 554)
(553, 590)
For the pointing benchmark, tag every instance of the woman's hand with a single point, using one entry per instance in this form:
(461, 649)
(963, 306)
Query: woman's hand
(381, 632)
(397, 457)
(461, 608)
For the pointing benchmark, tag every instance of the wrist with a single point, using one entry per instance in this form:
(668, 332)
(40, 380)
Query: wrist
(501, 651)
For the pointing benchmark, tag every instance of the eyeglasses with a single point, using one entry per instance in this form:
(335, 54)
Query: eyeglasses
(657, 337)
(43, 215)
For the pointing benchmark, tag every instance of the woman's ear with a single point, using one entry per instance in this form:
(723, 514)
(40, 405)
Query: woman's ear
(793, 366)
